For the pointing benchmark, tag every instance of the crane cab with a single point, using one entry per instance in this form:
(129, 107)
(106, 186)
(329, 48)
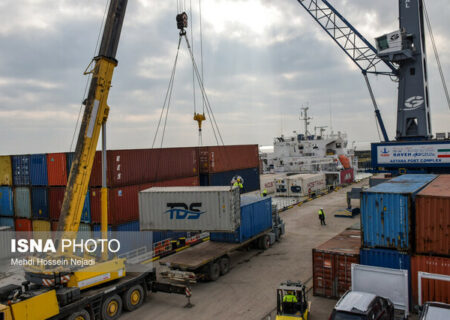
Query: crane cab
(292, 302)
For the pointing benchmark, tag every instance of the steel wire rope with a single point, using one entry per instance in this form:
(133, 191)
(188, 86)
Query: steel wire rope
(436, 54)
(89, 76)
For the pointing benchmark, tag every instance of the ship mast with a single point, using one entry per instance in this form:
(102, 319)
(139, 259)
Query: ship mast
(304, 116)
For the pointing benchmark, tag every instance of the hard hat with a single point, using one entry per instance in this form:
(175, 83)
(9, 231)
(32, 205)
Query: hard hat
(321, 208)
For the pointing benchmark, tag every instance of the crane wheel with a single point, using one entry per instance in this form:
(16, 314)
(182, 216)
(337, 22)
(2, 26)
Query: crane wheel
(133, 298)
(214, 271)
(224, 264)
(80, 315)
(112, 308)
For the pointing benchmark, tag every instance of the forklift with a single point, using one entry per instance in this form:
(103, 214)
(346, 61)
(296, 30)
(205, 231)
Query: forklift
(292, 310)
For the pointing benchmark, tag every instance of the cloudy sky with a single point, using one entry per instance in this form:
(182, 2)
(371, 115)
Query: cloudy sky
(263, 60)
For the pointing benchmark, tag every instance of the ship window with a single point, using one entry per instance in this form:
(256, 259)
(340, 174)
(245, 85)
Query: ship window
(412, 71)
(281, 162)
(300, 147)
(338, 145)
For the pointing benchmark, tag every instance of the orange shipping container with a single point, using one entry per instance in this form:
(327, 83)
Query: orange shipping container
(432, 290)
(332, 263)
(56, 169)
(226, 158)
(433, 217)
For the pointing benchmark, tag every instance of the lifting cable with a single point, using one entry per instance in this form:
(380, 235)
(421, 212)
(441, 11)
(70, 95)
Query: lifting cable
(182, 23)
(88, 79)
(436, 54)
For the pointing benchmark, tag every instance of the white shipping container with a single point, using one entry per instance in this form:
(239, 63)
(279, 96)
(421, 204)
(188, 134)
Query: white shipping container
(305, 184)
(190, 209)
(268, 181)
(300, 185)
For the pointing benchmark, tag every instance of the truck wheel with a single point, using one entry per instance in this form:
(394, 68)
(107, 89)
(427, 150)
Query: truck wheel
(80, 315)
(112, 308)
(264, 242)
(224, 264)
(133, 298)
(214, 271)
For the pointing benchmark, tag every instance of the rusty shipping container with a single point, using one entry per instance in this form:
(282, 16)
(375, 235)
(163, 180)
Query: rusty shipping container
(226, 158)
(57, 169)
(332, 263)
(432, 290)
(5, 171)
(123, 203)
(433, 217)
(138, 166)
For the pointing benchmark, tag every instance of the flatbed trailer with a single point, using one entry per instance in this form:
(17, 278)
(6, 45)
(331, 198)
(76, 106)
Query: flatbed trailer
(211, 259)
(103, 302)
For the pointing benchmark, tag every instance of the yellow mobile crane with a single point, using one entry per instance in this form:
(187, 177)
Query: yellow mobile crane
(102, 290)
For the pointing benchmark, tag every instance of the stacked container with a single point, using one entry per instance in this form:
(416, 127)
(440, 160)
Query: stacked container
(405, 224)
(332, 262)
(221, 165)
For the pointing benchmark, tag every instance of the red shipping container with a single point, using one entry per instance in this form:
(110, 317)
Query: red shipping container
(56, 169)
(24, 229)
(123, 203)
(347, 176)
(55, 198)
(432, 290)
(332, 263)
(226, 158)
(433, 217)
(138, 166)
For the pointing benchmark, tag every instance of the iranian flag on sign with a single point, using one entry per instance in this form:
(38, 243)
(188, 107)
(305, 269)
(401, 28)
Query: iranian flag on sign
(443, 153)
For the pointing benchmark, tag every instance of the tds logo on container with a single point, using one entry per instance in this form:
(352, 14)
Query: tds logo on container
(181, 211)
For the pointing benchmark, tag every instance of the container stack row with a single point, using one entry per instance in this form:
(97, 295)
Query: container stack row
(32, 187)
(406, 225)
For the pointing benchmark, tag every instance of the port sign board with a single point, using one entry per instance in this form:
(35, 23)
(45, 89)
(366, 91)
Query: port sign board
(412, 154)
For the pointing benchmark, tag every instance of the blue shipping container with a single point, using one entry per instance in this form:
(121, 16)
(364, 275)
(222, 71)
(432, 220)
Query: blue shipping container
(86, 214)
(6, 202)
(7, 222)
(22, 202)
(131, 238)
(387, 212)
(256, 217)
(21, 170)
(39, 203)
(250, 176)
(38, 170)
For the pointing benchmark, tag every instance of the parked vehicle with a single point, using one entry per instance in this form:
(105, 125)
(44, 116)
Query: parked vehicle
(357, 305)
(435, 311)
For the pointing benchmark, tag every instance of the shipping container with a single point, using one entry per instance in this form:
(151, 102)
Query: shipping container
(255, 217)
(84, 231)
(190, 209)
(123, 204)
(250, 178)
(57, 169)
(347, 176)
(268, 181)
(386, 258)
(227, 158)
(41, 226)
(22, 202)
(139, 166)
(23, 225)
(21, 170)
(7, 222)
(39, 203)
(433, 217)
(56, 198)
(38, 170)
(6, 235)
(432, 290)
(6, 201)
(332, 263)
(6, 178)
(387, 212)
(300, 185)
(374, 181)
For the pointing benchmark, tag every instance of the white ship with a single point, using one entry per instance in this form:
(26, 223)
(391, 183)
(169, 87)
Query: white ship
(312, 153)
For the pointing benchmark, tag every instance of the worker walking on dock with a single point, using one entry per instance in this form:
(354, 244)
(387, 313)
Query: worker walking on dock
(322, 217)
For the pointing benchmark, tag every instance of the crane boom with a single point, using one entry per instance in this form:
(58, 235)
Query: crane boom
(95, 114)
(355, 46)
